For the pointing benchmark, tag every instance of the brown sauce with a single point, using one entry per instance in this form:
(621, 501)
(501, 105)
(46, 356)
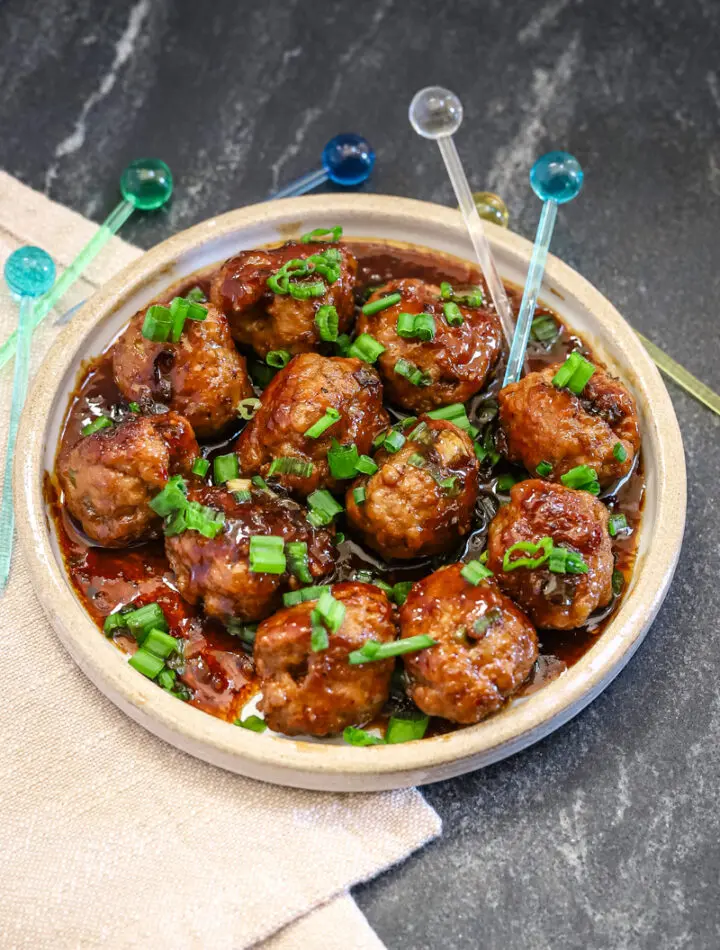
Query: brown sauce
(217, 667)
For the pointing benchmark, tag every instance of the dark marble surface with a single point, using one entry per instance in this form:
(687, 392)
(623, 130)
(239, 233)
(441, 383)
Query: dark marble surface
(605, 834)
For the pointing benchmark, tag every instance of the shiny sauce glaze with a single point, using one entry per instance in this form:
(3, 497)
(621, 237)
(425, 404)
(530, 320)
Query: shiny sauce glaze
(217, 667)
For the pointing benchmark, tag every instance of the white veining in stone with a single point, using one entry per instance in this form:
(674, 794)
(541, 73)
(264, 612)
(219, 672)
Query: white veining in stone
(545, 16)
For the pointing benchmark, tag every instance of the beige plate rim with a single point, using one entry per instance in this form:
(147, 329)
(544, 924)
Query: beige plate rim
(327, 766)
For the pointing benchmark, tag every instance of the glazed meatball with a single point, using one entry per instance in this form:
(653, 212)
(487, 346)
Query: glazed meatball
(456, 363)
(541, 423)
(203, 376)
(486, 646)
(320, 693)
(216, 571)
(421, 499)
(109, 477)
(574, 520)
(295, 400)
(268, 321)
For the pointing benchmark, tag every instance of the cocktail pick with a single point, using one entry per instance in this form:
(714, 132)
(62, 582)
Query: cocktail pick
(146, 184)
(437, 113)
(491, 207)
(556, 178)
(29, 272)
(685, 379)
(347, 160)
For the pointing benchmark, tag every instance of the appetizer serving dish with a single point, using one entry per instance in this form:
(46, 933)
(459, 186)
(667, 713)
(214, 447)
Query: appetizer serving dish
(653, 496)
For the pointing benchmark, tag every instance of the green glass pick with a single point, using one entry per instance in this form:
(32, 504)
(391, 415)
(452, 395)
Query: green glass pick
(146, 184)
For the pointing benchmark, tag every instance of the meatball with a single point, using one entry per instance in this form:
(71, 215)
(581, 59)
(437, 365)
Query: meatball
(486, 646)
(109, 477)
(296, 399)
(269, 321)
(541, 423)
(202, 376)
(422, 497)
(320, 693)
(455, 364)
(217, 570)
(574, 520)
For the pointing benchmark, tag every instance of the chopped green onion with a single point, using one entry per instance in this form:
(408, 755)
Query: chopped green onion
(574, 373)
(200, 467)
(563, 561)
(259, 482)
(416, 460)
(225, 467)
(166, 679)
(450, 486)
(583, 478)
(564, 374)
(544, 469)
(616, 524)
(446, 290)
(393, 441)
(620, 452)
(160, 643)
(360, 737)
(134, 406)
(196, 311)
(474, 572)
(260, 373)
(542, 549)
(405, 730)
(326, 321)
(365, 465)
(323, 508)
(319, 234)
(317, 428)
(453, 314)
(253, 723)
(206, 521)
(179, 310)
(359, 495)
(505, 482)
(544, 329)
(420, 326)
(331, 611)
(373, 650)
(294, 597)
(196, 295)
(307, 290)
(319, 639)
(475, 298)
(482, 624)
(365, 347)
(114, 622)
(267, 554)
(480, 451)
(400, 592)
(247, 408)
(297, 559)
(278, 359)
(454, 413)
(242, 496)
(484, 556)
(412, 373)
(618, 582)
(382, 303)
(157, 324)
(342, 344)
(343, 460)
(172, 497)
(285, 465)
(102, 422)
(147, 663)
(245, 631)
(339, 537)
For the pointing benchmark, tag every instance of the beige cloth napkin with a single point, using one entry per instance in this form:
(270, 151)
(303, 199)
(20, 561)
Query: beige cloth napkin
(110, 837)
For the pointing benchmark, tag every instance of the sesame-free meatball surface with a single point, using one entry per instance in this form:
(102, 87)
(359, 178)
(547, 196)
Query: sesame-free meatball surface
(457, 361)
(408, 511)
(109, 477)
(573, 519)
(298, 397)
(268, 321)
(216, 571)
(202, 376)
(320, 693)
(486, 646)
(543, 423)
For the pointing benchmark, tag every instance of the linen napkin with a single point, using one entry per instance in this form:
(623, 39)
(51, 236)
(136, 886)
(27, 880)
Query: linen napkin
(108, 836)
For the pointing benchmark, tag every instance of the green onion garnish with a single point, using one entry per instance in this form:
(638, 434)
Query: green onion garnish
(242, 496)
(382, 303)
(134, 406)
(178, 310)
(583, 478)
(343, 460)
(365, 465)
(454, 413)
(420, 326)
(563, 561)
(259, 482)
(284, 465)
(616, 524)
(482, 624)
(321, 234)
(317, 428)
(373, 650)
(293, 597)
(160, 643)
(365, 347)
(474, 298)
(147, 663)
(453, 314)
(450, 486)
(342, 344)
(416, 460)
(574, 373)
(544, 469)
(474, 572)
(172, 497)
(267, 554)
(544, 329)
(505, 482)
(114, 622)
(620, 452)
(245, 631)
(253, 723)
(539, 553)
(359, 495)
(400, 592)
(278, 359)
(412, 373)
(331, 611)
(323, 508)
(319, 639)
(225, 467)
(618, 582)
(141, 621)
(296, 553)
(393, 441)
(157, 324)
(166, 679)
(360, 737)
(102, 422)
(196, 517)
(405, 730)
(200, 467)
(327, 321)
(196, 311)
(196, 295)
(247, 408)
